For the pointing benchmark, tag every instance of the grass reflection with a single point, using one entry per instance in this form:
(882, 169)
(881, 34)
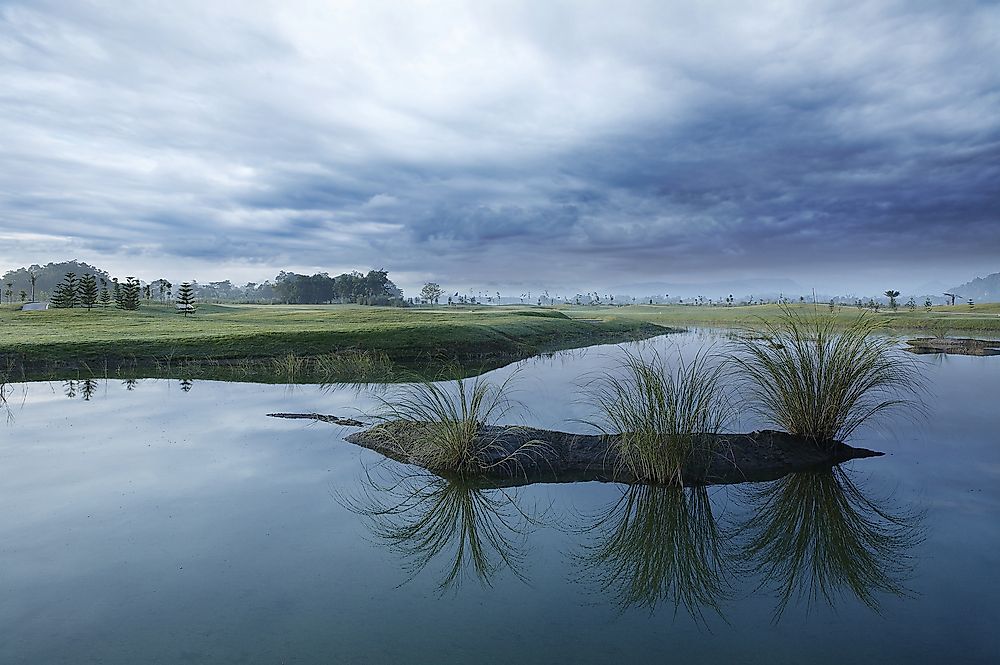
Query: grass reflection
(660, 545)
(463, 529)
(817, 536)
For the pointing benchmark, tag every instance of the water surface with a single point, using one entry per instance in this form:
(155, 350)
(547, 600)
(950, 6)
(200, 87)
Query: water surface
(157, 521)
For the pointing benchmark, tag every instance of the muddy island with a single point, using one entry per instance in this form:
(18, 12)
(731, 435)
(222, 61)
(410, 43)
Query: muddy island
(957, 346)
(516, 455)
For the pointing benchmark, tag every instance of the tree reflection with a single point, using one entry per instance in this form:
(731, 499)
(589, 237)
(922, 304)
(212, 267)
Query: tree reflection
(816, 535)
(660, 545)
(462, 527)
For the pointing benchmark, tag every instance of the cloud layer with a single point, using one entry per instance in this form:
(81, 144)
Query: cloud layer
(557, 144)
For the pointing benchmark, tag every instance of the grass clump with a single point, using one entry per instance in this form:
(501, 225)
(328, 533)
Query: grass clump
(356, 366)
(659, 416)
(819, 382)
(452, 426)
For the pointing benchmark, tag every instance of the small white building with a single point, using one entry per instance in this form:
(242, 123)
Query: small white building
(34, 306)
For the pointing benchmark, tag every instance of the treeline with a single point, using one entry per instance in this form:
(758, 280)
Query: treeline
(45, 283)
(373, 288)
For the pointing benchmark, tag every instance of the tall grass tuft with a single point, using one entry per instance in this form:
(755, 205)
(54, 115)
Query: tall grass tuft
(356, 366)
(451, 426)
(815, 381)
(660, 416)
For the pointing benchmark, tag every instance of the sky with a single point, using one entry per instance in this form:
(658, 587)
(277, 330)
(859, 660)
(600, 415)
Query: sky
(564, 145)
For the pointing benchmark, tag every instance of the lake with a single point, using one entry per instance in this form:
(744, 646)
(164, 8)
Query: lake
(168, 521)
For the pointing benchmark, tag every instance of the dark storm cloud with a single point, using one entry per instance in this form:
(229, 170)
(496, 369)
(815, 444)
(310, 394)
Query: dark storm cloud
(566, 143)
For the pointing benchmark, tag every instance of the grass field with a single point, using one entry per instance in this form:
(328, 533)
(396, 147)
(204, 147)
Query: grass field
(315, 342)
(941, 320)
(48, 342)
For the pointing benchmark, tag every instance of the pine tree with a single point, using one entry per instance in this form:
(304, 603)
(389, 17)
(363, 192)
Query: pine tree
(185, 298)
(65, 294)
(130, 294)
(117, 293)
(87, 291)
(105, 294)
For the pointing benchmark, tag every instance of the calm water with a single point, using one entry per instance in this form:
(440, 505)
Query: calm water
(177, 523)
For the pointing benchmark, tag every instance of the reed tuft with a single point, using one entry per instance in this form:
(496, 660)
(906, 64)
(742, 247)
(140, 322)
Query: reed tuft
(659, 416)
(822, 383)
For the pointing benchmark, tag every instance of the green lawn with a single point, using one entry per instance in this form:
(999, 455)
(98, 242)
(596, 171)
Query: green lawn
(155, 333)
(983, 319)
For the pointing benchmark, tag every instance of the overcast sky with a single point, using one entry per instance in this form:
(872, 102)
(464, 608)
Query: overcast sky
(541, 144)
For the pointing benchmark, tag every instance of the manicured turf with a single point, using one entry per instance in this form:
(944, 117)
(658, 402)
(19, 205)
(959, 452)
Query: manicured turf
(983, 319)
(157, 332)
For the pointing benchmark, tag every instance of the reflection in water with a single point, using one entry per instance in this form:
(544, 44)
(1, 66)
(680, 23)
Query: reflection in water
(130, 384)
(186, 385)
(424, 518)
(660, 544)
(87, 389)
(816, 535)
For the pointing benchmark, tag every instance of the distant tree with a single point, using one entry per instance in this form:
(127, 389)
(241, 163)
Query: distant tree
(9, 292)
(911, 304)
(185, 298)
(105, 296)
(892, 295)
(928, 304)
(431, 292)
(130, 294)
(64, 296)
(117, 293)
(972, 305)
(32, 277)
(87, 389)
(147, 292)
(86, 291)
(952, 296)
(163, 286)
(23, 295)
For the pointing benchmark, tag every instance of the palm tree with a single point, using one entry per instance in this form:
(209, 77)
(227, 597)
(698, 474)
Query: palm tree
(892, 295)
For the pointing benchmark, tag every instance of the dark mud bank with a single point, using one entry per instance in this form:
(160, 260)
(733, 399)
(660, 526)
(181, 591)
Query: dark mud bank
(548, 456)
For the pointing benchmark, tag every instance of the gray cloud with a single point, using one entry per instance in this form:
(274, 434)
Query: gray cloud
(568, 144)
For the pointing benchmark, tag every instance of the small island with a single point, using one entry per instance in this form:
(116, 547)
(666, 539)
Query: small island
(516, 455)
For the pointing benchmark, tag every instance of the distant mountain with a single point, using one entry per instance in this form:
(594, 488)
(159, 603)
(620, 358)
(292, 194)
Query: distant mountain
(46, 277)
(738, 287)
(981, 289)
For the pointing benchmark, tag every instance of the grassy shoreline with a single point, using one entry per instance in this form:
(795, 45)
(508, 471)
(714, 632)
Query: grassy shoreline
(275, 343)
(941, 320)
(320, 343)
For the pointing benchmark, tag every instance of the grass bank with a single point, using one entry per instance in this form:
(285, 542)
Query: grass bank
(276, 343)
(941, 320)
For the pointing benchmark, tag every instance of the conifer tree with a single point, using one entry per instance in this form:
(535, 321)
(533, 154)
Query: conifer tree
(105, 294)
(65, 294)
(87, 291)
(117, 293)
(130, 294)
(185, 298)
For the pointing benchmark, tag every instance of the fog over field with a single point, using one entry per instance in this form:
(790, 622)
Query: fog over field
(509, 145)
